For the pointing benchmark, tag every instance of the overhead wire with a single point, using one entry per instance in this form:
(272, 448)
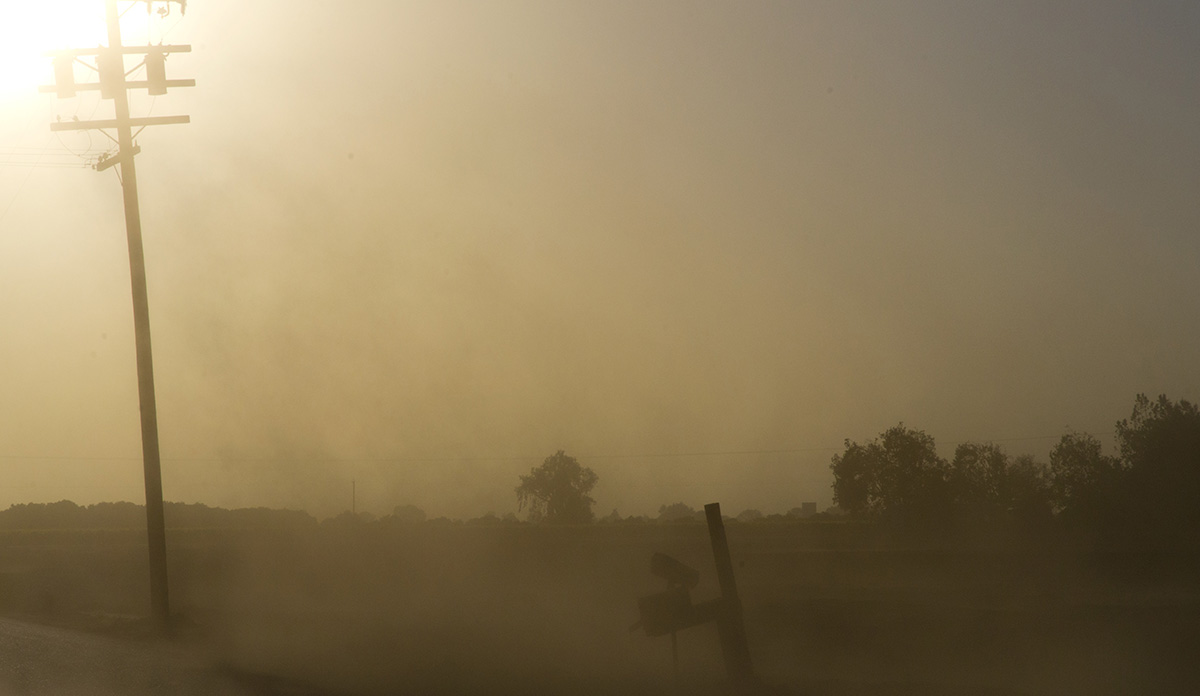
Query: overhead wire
(20, 188)
(62, 156)
(497, 458)
(163, 36)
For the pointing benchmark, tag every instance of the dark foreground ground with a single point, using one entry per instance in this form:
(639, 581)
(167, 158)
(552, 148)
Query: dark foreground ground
(523, 610)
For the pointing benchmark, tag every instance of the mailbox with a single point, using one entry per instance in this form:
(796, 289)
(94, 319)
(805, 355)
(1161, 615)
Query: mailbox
(665, 612)
(674, 572)
(670, 611)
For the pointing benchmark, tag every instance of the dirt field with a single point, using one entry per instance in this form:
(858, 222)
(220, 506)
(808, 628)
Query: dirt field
(448, 609)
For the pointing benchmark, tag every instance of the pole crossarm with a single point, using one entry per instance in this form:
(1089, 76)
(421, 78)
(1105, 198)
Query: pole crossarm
(131, 84)
(123, 50)
(116, 123)
(110, 64)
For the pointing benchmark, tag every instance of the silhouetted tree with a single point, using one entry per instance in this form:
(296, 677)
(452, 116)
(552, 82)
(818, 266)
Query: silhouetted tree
(489, 518)
(120, 515)
(898, 476)
(977, 475)
(678, 512)
(1026, 491)
(1160, 450)
(557, 491)
(408, 514)
(992, 490)
(61, 515)
(347, 521)
(123, 515)
(1083, 480)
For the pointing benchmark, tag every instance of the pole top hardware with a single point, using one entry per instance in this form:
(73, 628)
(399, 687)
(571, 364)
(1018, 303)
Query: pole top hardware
(115, 158)
(164, 11)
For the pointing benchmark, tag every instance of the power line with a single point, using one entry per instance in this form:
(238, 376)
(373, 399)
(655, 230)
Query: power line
(18, 149)
(414, 460)
(45, 165)
(490, 458)
(17, 194)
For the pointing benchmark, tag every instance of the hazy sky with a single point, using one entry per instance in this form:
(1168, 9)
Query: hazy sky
(423, 245)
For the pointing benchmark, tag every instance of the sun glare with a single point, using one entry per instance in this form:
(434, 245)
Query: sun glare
(32, 29)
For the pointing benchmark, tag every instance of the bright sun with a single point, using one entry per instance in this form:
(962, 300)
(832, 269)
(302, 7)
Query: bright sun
(30, 29)
(33, 28)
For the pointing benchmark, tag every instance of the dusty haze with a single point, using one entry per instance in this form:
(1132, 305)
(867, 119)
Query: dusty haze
(423, 245)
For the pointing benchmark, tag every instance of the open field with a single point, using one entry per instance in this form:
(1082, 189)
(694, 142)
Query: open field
(446, 609)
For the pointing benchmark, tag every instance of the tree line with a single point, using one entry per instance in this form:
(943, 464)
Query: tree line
(65, 514)
(1146, 495)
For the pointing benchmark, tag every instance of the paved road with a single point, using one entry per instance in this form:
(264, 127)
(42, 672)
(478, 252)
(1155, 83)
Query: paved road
(37, 660)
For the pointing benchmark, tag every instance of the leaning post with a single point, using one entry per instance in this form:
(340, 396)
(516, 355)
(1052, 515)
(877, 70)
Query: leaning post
(730, 628)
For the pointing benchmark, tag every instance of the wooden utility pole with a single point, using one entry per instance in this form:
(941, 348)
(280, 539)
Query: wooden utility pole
(110, 63)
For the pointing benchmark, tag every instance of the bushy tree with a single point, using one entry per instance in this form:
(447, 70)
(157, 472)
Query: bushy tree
(990, 487)
(1148, 496)
(1026, 491)
(557, 491)
(1160, 450)
(977, 474)
(611, 518)
(898, 476)
(678, 512)
(1082, 478)
(408, 514)
(751, 515)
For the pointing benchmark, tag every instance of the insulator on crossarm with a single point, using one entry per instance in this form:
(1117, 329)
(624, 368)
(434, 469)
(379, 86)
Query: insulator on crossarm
(64, 76)
(112, 73)
(156, 72)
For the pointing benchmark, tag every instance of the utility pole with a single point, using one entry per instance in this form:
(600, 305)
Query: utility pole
(110, 64)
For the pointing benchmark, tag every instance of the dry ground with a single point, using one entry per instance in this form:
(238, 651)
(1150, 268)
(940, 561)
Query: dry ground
(448, 609)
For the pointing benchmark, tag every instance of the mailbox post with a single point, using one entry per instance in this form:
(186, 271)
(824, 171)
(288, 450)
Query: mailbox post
(672, 610)
(730, 627)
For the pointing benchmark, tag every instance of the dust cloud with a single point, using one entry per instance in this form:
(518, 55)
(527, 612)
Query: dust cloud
(422, 246)
(405, 251)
